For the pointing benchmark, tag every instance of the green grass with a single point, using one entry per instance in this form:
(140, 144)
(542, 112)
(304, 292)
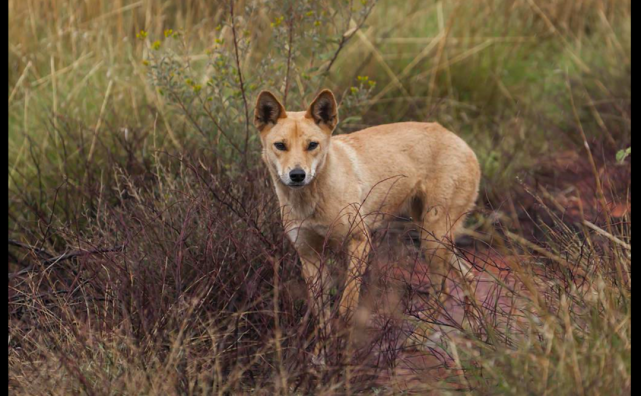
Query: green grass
(498, 75)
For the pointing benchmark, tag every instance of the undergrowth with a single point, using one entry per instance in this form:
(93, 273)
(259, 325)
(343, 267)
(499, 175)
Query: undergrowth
(146, 254)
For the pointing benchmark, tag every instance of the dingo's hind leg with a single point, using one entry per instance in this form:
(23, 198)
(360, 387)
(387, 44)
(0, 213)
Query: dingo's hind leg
(438, 224)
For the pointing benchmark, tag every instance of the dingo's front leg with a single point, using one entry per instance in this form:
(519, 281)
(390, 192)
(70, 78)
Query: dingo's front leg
(358, 250)
(317, 278)
(309, 247)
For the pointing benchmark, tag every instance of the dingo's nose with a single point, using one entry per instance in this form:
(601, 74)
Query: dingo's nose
(297, 175)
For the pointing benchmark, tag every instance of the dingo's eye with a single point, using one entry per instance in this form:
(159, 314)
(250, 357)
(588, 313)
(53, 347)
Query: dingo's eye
(312, 146)
(280, 146)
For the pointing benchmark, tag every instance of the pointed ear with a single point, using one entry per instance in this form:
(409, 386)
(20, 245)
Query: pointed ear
(324, 110)
(268, 110)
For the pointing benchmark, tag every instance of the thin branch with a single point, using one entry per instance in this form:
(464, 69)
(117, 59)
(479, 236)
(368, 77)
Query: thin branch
(222, 131)
(188, 114)
(289, 55)
(346, 37)
(240, 78)
(246, 218)
(51, 260)
(43, 254)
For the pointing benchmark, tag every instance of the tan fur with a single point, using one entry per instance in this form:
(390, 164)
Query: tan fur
(362, 180)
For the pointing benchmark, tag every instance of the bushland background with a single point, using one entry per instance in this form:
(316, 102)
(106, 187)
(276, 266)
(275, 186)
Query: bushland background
(145, 250)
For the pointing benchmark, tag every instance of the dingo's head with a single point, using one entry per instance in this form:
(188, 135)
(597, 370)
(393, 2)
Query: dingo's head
(295, 144)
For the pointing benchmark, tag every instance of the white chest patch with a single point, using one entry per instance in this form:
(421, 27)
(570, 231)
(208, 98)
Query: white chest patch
(293, 233)
(353, 158)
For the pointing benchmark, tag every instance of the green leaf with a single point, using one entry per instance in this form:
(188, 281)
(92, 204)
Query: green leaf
(623, 154)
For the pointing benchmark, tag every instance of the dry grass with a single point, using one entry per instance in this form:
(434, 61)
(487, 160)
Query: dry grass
(141, 263)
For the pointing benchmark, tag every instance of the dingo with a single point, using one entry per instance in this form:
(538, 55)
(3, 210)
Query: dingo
(333, 190)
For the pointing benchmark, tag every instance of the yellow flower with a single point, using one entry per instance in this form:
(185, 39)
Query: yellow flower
(145, 62)
(141, 35)
(168, 32)
(156, 45)
(317, 23)
(277, 22)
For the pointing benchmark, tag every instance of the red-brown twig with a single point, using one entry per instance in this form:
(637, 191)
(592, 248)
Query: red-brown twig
(51, 259)
(289, 55)
(241, 82)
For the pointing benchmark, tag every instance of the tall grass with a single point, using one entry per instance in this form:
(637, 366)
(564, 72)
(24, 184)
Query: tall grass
(146, 254)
